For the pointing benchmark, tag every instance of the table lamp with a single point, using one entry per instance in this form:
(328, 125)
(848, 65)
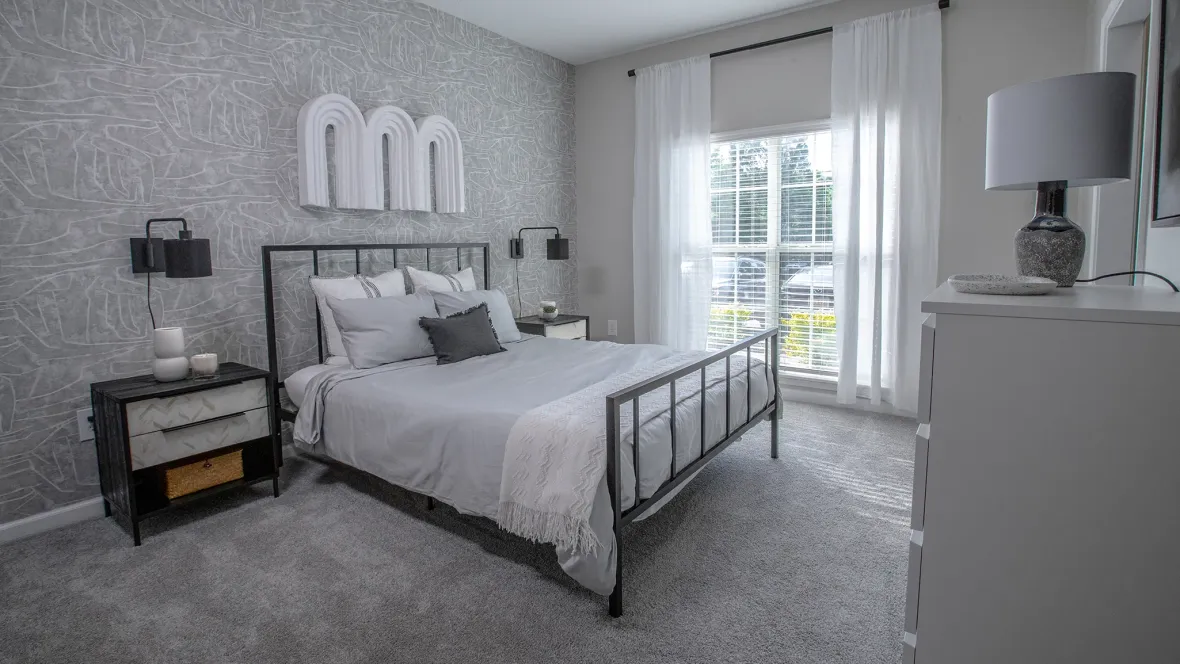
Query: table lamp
(1072, 131)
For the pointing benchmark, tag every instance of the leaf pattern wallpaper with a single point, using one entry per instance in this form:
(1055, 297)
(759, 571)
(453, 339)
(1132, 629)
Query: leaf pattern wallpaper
(115, 111)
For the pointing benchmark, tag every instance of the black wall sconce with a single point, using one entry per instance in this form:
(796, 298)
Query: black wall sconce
(183, 258)
(557, 248)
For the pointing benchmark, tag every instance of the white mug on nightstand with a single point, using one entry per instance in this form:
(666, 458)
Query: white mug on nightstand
(204, 365)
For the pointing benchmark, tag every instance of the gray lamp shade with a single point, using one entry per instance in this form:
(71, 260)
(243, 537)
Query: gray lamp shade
(1074, 129)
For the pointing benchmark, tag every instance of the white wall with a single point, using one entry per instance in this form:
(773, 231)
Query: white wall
(1163, 243)
(1159, 248)
(988, 45)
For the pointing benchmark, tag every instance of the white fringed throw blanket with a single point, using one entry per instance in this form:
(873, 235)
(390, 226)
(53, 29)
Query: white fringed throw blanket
(556, 457)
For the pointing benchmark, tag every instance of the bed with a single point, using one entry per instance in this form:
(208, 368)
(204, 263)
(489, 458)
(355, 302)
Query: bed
(465, 433)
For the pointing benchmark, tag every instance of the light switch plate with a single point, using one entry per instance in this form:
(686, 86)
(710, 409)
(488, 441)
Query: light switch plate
(612, 328)
(85, 426)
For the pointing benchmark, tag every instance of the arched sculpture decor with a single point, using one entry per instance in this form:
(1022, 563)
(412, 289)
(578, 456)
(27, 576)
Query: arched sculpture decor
(448, 164)
(338, 112)
(361, 162)
(394, 123)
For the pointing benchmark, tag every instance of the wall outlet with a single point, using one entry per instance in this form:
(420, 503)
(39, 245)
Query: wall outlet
(85, 425)
(612, 328)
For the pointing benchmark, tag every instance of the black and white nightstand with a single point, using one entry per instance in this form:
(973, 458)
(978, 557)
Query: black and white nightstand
(565, 326)
(166, 444)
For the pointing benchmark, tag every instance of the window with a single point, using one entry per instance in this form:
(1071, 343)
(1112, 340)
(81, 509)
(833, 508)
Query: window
(772, 246)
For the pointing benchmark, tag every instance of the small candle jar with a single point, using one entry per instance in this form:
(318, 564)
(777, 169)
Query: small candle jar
(204, 365)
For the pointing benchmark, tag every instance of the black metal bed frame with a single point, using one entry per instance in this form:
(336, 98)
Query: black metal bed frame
(614, 402)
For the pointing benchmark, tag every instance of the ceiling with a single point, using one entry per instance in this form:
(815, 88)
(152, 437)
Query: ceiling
(581, 31)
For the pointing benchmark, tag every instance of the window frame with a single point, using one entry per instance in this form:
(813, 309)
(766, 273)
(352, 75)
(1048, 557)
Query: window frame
(773, 240)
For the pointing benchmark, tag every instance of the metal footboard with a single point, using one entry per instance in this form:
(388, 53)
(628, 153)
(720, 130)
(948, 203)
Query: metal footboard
(614, 438)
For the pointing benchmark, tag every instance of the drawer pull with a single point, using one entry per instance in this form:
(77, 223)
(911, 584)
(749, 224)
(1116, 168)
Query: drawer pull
(193, 424)
(207, 465)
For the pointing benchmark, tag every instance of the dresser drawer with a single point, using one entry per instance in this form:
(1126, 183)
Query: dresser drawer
(926, 371)
(921, 462)
(169, 412)
(156, 447)
(913, 583)
(909, 648)
(574, 330)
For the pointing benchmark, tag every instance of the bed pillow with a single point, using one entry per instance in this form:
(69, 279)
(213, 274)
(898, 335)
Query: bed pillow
(463, 335)
(382, 330)
(354, 286)
(463, 280)
(503, 322)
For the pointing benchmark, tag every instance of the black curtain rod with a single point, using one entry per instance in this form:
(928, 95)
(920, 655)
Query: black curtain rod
(942, 4)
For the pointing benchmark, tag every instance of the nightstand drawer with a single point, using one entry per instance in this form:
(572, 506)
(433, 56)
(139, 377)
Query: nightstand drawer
(574, 330)
(157, 447)
(170, 412)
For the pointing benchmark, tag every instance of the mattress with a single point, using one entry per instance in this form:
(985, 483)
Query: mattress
(441, 430)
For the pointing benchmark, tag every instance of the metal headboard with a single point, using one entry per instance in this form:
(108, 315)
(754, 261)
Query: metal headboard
(272, 347)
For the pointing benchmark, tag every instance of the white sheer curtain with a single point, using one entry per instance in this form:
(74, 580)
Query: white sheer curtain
(886, 169)
(673, 239)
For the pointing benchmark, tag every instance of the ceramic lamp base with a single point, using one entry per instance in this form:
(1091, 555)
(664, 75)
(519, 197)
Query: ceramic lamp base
(168, 369)
(170, 363)
(1052, 247)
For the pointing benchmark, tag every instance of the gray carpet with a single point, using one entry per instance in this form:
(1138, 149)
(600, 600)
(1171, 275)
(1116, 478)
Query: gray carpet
(796, 560)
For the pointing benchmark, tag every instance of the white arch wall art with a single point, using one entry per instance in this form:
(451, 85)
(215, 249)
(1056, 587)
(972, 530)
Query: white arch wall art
(360, 158)
(448, 164)
(346, 120)
(395, 124)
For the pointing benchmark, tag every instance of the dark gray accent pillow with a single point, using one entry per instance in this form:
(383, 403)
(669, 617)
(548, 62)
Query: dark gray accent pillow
(462, 336)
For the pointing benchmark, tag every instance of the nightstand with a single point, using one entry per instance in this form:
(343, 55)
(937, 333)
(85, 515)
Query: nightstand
(565, 326)
(161, 445)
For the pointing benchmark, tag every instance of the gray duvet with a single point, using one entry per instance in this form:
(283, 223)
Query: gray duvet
(441, 430)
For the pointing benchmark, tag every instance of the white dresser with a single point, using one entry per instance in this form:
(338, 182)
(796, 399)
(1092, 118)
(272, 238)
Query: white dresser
(1046, 520)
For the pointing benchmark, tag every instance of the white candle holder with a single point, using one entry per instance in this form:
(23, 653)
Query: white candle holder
(204, 365)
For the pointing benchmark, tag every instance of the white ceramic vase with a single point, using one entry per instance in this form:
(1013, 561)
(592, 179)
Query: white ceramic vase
(170, 363)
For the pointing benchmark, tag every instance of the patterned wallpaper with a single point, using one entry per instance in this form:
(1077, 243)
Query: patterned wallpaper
(114, 111)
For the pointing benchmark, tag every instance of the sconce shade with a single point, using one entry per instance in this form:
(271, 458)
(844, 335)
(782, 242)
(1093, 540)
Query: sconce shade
(557, 248)
(187, 258)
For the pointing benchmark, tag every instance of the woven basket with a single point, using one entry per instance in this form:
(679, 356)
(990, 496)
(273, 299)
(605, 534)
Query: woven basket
(202, 474)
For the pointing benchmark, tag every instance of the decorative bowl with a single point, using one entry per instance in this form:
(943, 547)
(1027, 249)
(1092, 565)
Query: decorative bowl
(1001, 284)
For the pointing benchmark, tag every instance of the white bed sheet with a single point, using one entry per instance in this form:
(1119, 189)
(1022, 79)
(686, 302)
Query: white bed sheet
(296, 383)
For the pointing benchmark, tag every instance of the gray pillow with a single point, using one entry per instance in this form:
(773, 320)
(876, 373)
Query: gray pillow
(503, 322)
(463, 335)
(381, 330)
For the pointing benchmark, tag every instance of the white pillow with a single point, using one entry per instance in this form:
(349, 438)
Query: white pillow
(354, 286)
(383, 330)
(449, 303)
(463, 280)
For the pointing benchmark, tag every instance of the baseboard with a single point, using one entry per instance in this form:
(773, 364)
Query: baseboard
(826, 396)
(51, 520)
